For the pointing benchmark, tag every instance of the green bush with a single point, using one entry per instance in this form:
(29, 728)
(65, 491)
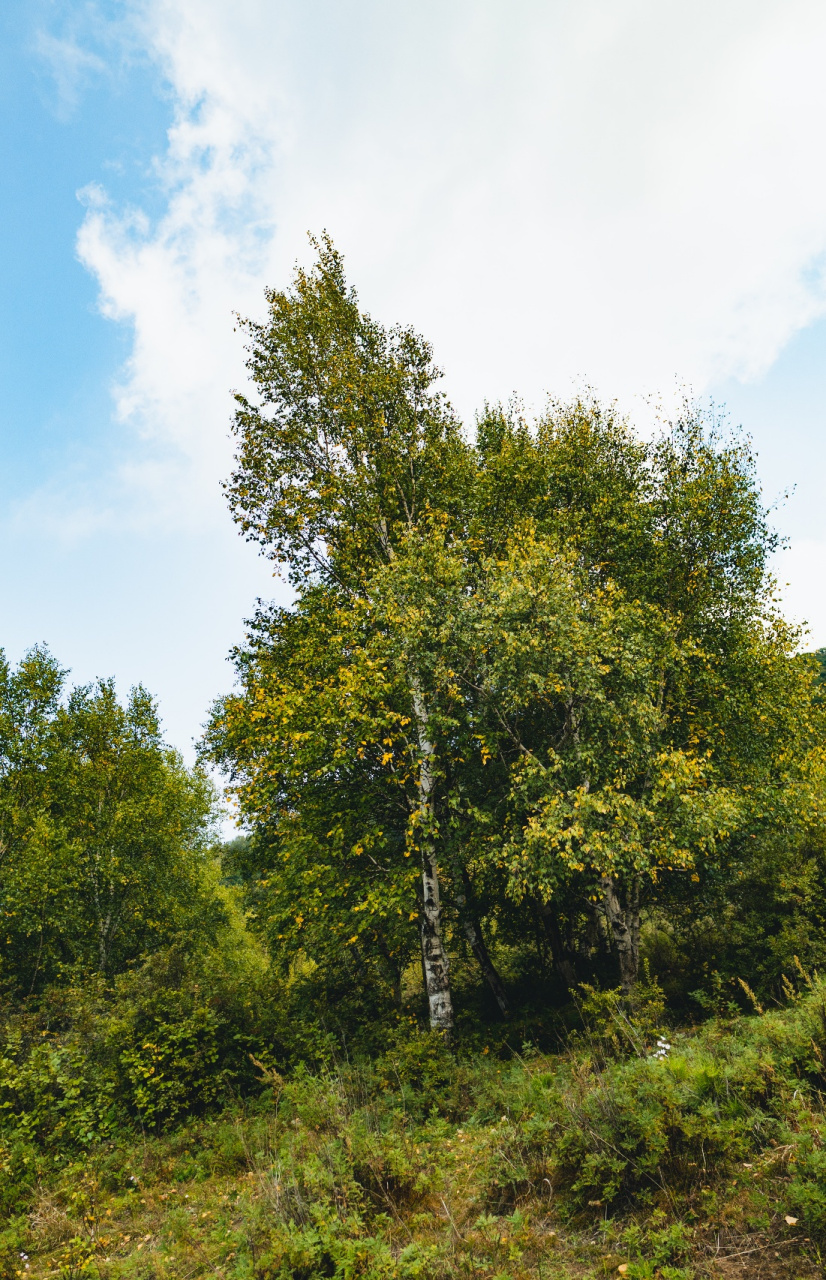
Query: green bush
(175, 1046)
(614, 1132)
(89, 1062)
(614, 1024)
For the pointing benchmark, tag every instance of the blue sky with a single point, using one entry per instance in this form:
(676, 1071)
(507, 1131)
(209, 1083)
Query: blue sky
(624, 193)
(145, 605)
(56, 355)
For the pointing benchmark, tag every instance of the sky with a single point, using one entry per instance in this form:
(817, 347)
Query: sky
(628, 195)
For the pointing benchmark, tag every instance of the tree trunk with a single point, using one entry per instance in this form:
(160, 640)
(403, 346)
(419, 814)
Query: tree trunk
(563, 965)
(624, 921)
(435, 965)
(473, 935)
(434, 956)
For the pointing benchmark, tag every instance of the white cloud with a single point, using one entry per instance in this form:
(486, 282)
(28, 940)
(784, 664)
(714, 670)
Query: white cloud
(801, 575)
(623, 191)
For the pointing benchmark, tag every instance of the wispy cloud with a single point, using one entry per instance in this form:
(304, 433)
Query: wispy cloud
(70, 67)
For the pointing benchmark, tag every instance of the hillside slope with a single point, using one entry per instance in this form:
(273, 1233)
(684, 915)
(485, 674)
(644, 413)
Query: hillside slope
(698, 1156)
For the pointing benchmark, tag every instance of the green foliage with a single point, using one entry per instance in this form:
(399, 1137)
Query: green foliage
(104, 835)
(542, 670)
(326, 867)
(349, 444)
(614, 1024)
(661, 1124)
(168, 1039)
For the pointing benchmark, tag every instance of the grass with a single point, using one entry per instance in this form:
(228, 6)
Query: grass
(704, 1159)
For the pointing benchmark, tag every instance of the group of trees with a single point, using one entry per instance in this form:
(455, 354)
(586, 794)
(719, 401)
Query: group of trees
(104, 834)
(531, 685)
(531, 712)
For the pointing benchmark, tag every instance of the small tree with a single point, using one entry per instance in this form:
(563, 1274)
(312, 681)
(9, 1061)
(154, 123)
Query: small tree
(104, 833)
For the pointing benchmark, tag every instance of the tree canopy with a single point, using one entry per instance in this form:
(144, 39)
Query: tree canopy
(542, 664)
(103, 831)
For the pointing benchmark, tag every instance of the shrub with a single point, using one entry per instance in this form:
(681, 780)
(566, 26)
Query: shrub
(90, 1061)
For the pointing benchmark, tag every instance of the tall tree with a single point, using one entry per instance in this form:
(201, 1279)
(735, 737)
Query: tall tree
(347, 450)
(678, 524)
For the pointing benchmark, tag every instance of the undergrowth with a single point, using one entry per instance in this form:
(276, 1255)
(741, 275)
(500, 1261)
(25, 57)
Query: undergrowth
(638, 1152)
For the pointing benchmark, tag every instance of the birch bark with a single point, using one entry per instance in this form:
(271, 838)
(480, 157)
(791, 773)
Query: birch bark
(435, 964)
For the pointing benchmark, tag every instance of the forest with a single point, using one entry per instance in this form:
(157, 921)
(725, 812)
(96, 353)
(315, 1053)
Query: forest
(513, 967)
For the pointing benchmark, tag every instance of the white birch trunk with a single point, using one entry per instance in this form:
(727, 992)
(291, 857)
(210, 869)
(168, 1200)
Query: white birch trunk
(435, 965)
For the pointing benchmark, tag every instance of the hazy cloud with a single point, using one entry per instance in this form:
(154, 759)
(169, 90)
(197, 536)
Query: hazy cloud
(70, 67)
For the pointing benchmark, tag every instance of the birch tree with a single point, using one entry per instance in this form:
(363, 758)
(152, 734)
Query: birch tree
(346, 449)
